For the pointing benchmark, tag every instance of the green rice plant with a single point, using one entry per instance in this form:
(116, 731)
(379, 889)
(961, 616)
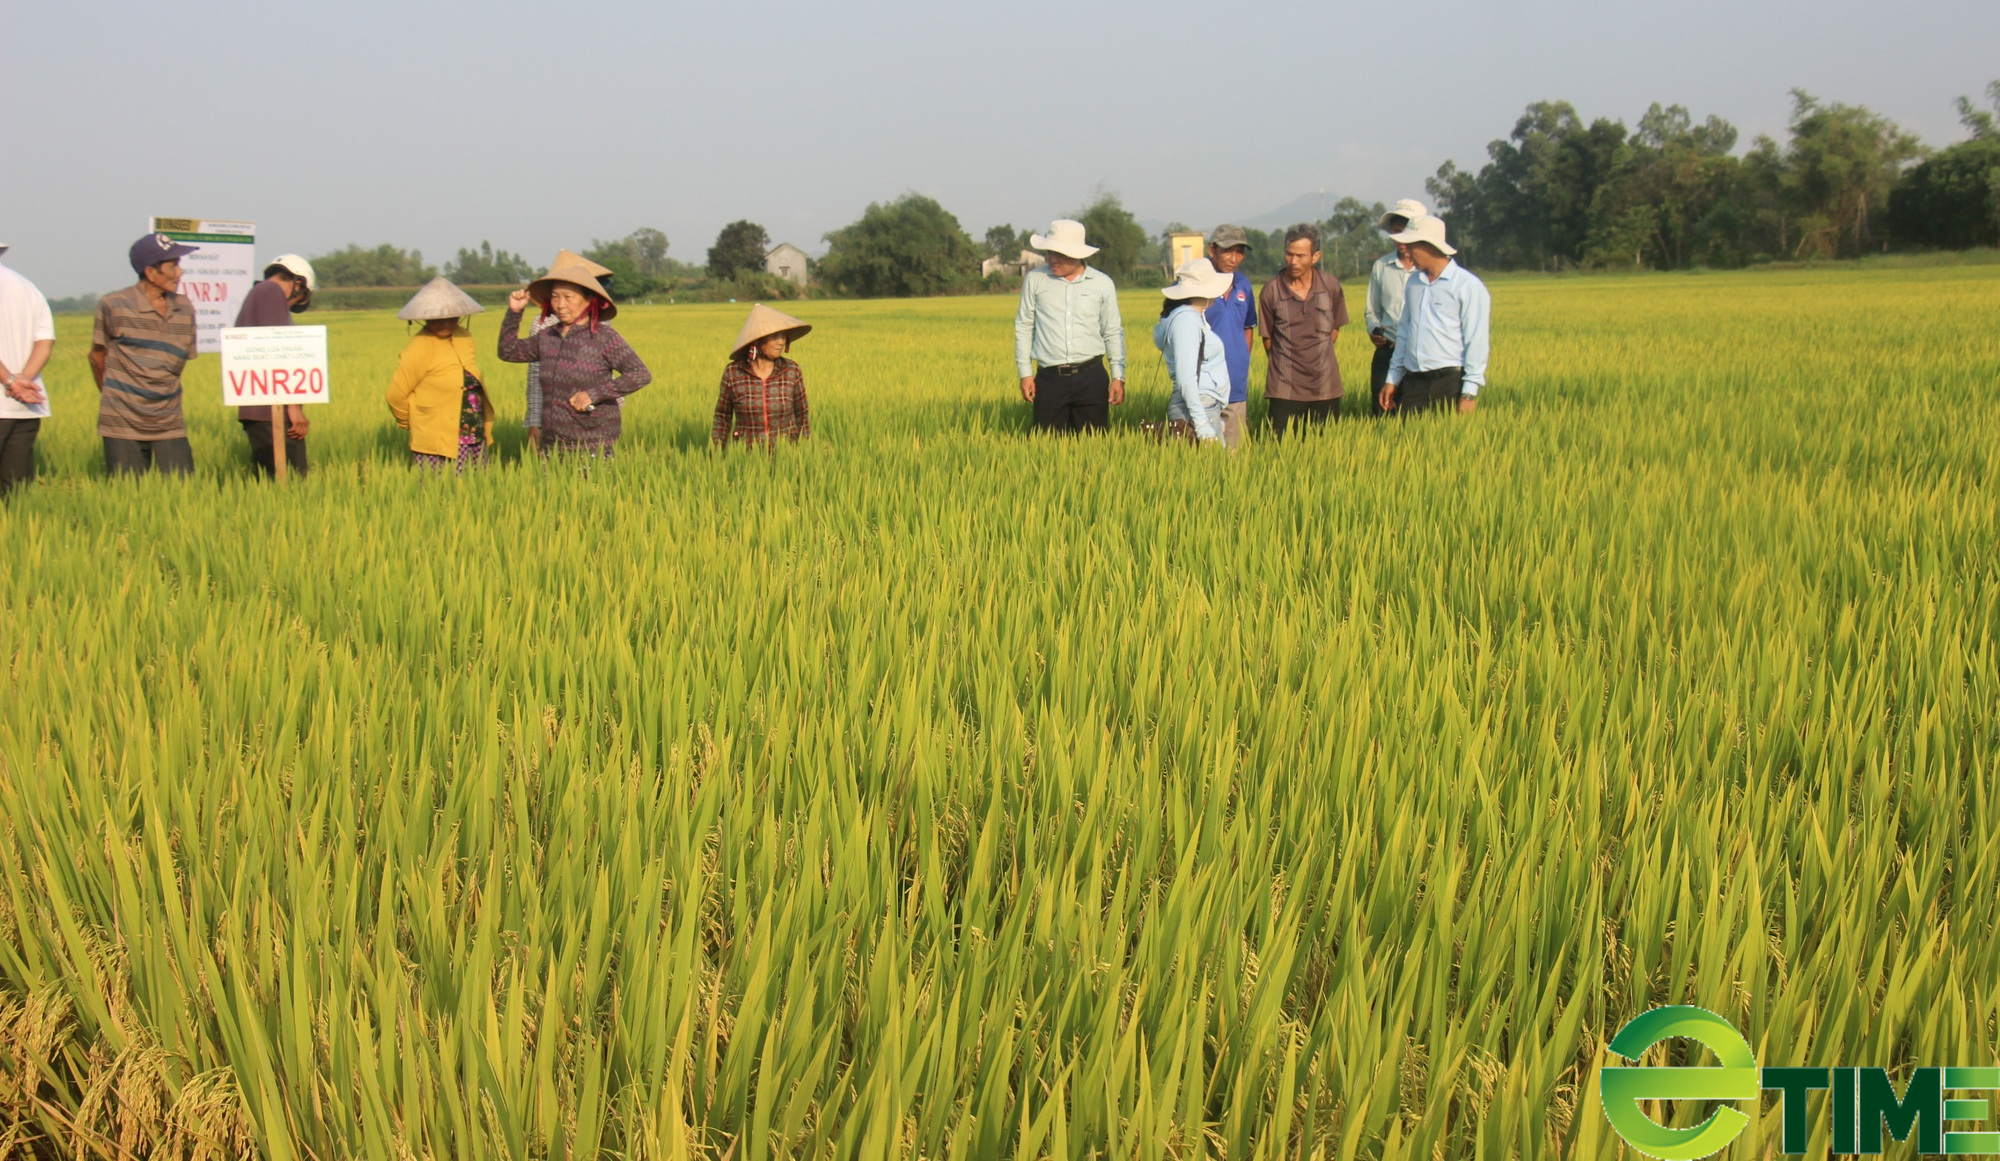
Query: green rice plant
(937, 789)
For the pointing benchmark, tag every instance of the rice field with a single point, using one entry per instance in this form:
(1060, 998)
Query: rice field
(938, 790)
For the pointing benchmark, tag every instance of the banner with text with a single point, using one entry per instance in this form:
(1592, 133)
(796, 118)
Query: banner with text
(217, 276)
(265, 365)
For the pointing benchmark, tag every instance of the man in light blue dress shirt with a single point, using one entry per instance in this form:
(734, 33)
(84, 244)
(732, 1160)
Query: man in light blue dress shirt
(1068, 327)
(1441, 351)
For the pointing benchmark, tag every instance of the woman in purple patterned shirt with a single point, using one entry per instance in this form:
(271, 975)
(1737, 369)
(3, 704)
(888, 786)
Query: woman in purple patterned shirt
(586, 367)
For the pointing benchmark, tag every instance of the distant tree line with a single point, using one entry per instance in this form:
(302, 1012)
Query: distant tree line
(1558, 192)
(1673, 193)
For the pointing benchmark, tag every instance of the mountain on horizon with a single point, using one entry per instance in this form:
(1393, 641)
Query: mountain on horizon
(1307, 207)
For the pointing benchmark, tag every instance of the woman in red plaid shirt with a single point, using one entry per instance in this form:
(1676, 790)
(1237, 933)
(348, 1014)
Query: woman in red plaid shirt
(763, 393)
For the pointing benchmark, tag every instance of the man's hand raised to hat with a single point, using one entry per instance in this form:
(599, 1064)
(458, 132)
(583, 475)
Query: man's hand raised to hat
(518, 301)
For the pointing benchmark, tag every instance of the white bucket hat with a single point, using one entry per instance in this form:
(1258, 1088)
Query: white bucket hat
(1409, 209)
(438, 299)
(1199, 279)
(1065, 237)
(1425, 229)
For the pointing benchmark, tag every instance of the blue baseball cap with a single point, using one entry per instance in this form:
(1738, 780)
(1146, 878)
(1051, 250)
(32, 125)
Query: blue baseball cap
(154, 249)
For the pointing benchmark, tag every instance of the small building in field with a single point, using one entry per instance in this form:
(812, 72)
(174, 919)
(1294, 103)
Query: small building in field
(1183, 248)
(787, 262)
(1029, 260)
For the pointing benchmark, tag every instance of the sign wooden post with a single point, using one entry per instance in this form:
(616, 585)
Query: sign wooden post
(278, 367)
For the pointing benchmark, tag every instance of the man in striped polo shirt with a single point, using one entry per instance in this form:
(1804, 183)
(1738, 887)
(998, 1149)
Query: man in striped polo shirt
(143, 336)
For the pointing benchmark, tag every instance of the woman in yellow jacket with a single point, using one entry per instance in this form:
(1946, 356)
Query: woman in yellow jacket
(436, 393)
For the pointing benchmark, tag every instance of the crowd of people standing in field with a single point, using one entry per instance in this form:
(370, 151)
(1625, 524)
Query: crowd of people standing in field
(1426, 315)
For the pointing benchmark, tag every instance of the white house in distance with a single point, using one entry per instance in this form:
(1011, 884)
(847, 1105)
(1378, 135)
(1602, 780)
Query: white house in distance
(1029, 260)
(787, 262)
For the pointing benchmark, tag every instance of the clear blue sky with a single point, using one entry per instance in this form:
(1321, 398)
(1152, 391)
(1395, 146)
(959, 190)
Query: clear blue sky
(435, 125)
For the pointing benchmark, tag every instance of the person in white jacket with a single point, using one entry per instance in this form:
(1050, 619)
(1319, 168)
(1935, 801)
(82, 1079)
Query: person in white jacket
(1195, 359)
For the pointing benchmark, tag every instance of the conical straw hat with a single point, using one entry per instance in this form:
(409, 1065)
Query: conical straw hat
(578, 276)
(572, 258)
(762, 324)
(438, 299)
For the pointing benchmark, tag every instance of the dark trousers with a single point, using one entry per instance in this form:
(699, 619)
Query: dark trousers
(1286, 412)
(1425, 390)
(134, 457)
(259, 431)
(1075, 398)
(17, 452)
(1378, 374)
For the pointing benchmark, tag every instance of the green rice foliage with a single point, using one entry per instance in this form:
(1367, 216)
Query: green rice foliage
(941, 790)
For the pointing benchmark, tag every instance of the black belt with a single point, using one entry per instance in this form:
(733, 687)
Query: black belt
(1073, 368)
(1439, 373)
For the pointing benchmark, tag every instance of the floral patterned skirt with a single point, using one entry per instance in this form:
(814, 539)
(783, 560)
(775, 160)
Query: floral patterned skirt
(471, 432)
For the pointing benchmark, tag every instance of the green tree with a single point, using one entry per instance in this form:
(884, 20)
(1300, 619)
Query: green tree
(638, 263)
(1952, 199)
(1005, 242)
(1948, 202)
(385, 265)
(1120, 240)
(1349, 237)
(1839, 166)
(1669, 203)
(1529, 206)
(738, 249)
(1979, 122)
(902, 249)
(488, 267)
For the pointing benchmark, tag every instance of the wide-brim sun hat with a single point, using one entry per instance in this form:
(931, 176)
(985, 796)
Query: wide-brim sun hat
(762, 324)
(1425, 229)
(577, 276)
(1198, 279)
(1065, 237)
(438, 299)
(1409, 209)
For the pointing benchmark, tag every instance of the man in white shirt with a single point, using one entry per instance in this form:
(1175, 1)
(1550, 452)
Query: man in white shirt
(1441, 353)
(27, 335)
(1067, 329)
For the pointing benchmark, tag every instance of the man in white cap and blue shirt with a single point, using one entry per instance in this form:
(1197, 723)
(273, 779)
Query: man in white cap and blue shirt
(27, 335)
(1233, 316)
(1441, 351)
(1067, 329)
(1386, 282)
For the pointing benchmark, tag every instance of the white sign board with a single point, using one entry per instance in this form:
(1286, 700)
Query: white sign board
(266, 365)
(217, 276)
